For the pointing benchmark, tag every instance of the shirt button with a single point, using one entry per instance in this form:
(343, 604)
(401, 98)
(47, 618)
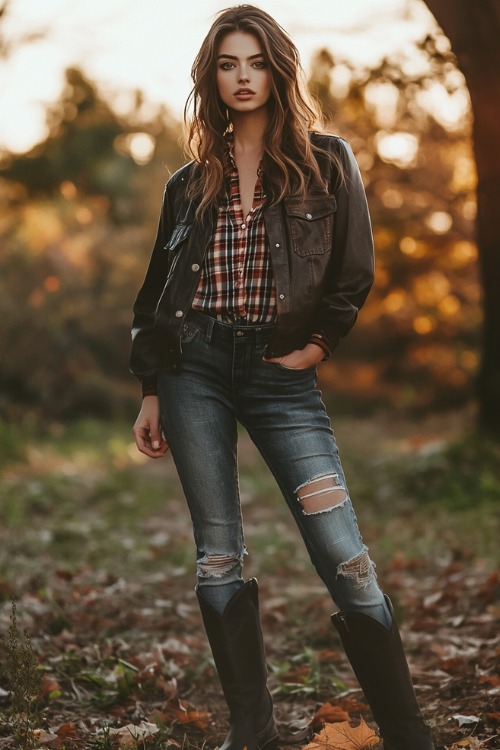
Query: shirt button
(277, 244)
(195, 267)
(243, 226)
(282, 296)
(309, 216)
(178, 313)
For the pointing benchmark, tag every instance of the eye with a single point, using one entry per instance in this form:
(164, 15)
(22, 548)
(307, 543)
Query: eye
(226, 65)
(259, 64)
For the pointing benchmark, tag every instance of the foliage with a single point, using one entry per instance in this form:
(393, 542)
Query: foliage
(21, 667)
(408, 121)
(75, 212)
(79, 212)
(92, 151)
(473, 38)
(465, 475)
(11, 447)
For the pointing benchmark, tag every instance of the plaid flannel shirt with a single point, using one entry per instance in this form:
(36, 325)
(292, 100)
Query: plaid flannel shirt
(237, 280)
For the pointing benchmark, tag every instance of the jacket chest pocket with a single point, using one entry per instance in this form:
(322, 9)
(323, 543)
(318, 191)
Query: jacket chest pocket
(310, 223)
(180, 233)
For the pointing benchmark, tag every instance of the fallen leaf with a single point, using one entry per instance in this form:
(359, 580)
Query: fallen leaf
(343, 736)
(464, 720)
(50, 686)
(67, 730)
(328, 714)
(184, 714)
(168, 688)
(432, 599)
(44, 738)
(495, 716)
(352, 705)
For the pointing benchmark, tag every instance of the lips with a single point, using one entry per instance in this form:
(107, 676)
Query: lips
(244, 92)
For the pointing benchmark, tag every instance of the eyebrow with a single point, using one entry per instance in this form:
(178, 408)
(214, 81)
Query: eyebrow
(234, 57)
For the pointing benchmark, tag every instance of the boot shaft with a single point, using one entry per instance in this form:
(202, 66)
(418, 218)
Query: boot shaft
(377, 657)
(237, 645)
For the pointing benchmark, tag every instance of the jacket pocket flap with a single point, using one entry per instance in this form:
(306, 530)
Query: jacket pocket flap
(311, 208)
(179, 234)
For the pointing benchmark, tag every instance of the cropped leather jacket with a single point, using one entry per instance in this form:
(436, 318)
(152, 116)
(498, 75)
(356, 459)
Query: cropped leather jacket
(321, 252)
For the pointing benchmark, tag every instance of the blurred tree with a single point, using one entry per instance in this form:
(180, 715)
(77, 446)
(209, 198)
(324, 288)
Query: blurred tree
(96, 150)
(8, 45)
(79, 148)
(408, 122)
(75, 228)
(473, 29)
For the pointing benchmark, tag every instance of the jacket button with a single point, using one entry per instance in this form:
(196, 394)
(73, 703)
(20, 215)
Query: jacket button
(277, 244)
(178, 313)
(309, 216)
(195, 267)
(282, 296)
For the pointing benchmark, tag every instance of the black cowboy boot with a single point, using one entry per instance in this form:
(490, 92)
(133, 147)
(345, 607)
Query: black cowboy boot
(378, 660)
(235, 638)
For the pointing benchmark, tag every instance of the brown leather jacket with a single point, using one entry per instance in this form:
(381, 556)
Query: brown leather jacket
(322, 257)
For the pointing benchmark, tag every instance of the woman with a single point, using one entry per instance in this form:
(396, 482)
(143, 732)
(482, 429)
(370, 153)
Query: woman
(262, 260)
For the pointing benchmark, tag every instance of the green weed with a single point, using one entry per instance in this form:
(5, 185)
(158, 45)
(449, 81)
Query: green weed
(102, 740)
(23, 677)
(303, 676)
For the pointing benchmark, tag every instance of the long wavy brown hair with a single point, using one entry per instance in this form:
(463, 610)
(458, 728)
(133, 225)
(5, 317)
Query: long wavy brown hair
(289, 163)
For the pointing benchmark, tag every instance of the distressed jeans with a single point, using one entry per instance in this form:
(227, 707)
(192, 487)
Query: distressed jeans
(225, 381)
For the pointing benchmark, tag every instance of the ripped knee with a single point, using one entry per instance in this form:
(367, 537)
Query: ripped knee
(360, 569)
(321, 494)
(217, 565)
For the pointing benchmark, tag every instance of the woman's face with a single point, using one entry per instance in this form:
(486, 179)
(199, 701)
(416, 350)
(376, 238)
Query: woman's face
(243, 77)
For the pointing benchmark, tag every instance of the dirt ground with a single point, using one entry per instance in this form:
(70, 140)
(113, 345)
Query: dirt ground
(101, 567)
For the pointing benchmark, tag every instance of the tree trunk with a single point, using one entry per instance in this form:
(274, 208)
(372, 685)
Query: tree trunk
(473, 28)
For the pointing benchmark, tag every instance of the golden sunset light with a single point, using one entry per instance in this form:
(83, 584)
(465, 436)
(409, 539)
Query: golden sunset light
(148, 46)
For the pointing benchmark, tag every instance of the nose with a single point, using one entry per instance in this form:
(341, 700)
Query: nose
(243, 76)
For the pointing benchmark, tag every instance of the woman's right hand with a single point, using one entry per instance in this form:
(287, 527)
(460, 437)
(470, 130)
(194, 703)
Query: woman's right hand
(147, 429)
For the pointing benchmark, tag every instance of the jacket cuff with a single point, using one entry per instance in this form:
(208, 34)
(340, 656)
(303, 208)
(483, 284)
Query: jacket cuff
(149, 385)
(320, 340)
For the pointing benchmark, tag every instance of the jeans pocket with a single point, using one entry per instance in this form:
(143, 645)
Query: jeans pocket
(293, 369)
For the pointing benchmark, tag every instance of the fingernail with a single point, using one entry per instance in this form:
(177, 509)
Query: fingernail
(156, 445)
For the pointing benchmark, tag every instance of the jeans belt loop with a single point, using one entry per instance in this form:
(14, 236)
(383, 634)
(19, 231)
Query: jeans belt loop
(210, 328)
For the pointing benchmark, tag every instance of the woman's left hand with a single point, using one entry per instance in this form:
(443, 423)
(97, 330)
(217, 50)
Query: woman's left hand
(300, 359)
